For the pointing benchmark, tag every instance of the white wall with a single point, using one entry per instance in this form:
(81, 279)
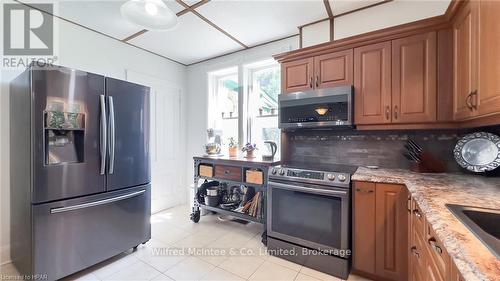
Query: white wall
(315, 34)
(86, 50)
(387, 15)
(197, 91)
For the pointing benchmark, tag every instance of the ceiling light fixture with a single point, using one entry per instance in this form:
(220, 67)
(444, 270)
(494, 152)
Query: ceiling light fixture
(149, 14)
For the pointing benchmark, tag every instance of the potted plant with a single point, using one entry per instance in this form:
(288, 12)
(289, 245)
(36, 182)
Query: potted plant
(273, 111)
(249, 149)
(260, 111)
(233, 147)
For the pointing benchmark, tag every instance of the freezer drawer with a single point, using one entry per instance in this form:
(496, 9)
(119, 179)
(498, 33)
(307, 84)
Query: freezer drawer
(74, 234)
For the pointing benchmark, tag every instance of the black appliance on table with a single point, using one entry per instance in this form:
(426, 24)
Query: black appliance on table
(309, 216)
(80, 169)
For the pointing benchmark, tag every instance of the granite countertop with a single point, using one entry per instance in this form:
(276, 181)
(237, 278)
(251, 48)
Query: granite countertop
(432, 192)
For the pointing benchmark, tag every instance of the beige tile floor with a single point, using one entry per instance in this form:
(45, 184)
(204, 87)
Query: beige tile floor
(162, 259)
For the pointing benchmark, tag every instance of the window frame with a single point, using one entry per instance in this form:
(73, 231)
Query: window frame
(245, 74)
(249, 71)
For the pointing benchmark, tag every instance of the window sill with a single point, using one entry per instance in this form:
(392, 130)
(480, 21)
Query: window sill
(267, 115)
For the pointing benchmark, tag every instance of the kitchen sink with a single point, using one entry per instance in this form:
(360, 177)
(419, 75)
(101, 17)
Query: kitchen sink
(483, 222)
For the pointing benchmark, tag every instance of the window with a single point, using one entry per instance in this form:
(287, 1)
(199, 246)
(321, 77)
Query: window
(224, 102)
(264, 87)
(255, 118)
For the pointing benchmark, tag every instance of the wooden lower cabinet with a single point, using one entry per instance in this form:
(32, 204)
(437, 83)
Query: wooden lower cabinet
(380, 230)
(392, 239)
(364, 227)
(391, 231)
(428, 258)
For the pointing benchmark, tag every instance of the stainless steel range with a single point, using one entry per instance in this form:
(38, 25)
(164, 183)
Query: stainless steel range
(309, 216)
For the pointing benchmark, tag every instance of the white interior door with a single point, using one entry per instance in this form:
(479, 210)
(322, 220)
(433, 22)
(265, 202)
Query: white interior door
(167, 163)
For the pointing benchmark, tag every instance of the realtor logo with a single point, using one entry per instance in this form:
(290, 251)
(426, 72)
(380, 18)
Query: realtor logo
(28, 31)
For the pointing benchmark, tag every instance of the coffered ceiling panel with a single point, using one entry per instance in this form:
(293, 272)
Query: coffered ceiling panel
(255, 22)
(191, 41)
(343, 6)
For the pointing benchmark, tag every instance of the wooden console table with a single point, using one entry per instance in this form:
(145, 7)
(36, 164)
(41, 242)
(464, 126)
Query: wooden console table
(234, 171)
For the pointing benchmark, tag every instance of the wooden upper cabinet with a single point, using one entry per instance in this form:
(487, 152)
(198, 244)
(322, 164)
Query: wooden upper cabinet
(414, 79)
(464, 60)
(372, 84)
(325, 71)
(297, 75)
(391, 231)
(333, 69)
(487, 100)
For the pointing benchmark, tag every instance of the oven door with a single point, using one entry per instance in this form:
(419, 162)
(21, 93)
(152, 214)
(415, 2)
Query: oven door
(309, 215)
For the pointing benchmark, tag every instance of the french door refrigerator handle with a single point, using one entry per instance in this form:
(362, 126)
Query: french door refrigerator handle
(103, 135)
(112, 139)
(96, 203)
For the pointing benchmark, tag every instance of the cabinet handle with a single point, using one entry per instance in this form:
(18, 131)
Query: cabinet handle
(396, 112)
(311, 82)
(468, 101)
(387, 112)
(364, 191)
(473, 97)
(415, 252)
(408, 204)
(226, 172)
(317, 81)
(432, 242)
(417, 213)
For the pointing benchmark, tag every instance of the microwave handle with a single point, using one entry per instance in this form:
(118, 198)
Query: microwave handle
(290, 187)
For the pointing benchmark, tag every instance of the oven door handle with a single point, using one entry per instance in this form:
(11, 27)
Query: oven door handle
(327, 192)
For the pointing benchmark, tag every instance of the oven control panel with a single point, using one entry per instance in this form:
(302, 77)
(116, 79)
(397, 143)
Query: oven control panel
(309, 175)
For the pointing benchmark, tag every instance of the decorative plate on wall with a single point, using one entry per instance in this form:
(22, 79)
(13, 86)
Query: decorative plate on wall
(478, 152)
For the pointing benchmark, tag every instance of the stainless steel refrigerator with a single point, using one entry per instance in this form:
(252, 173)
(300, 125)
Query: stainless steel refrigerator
(80, 169)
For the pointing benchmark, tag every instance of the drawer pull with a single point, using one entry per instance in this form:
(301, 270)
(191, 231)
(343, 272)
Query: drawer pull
(226, 172)
(417, 213)
(434, 246)
(364, 191)
(415, 252)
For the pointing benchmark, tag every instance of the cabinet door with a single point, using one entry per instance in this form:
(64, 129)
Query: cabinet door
(488, 95)
(333, 69)
(417, 258)
(431, 272)
(464, 60)
(391, 228)
(414, 64)
(364, 227)
(297, 75)
(372, 84)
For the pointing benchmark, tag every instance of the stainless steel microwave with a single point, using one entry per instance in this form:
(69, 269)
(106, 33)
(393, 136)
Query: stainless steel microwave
(331, 107)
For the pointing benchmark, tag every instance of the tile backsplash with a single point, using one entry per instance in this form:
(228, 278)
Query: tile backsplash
(380, 148)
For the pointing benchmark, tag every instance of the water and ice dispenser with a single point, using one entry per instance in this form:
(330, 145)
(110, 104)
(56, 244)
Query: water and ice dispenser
(64, 134)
